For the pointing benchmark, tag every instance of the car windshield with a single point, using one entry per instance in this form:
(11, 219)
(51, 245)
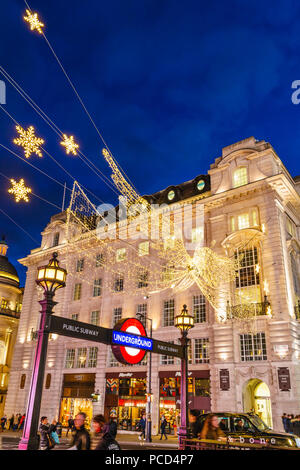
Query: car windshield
(261, 426)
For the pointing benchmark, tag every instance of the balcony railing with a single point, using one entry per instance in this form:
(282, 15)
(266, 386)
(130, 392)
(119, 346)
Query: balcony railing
(10, 313)
(248, 310)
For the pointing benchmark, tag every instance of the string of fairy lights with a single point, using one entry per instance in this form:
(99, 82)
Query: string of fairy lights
(88, 234)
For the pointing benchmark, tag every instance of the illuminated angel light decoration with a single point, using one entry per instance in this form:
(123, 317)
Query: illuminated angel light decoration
(19, 190)
(172, 266)
(34, 22)
(29, 141)
(69, 144)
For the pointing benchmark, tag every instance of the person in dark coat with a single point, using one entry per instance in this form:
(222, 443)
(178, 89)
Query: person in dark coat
(194, 421)
(284, 422)
(3, 422)
(142, 427)
(113, 427)
(45, 430)
(70, 425)
(163, 426)
(80, 436)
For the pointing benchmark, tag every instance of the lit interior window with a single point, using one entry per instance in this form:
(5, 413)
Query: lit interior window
(243, 221)
(240, 177)
(121, 254)
(144, 248)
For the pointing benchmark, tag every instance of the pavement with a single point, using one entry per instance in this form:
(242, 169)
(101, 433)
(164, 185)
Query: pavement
(9, 440)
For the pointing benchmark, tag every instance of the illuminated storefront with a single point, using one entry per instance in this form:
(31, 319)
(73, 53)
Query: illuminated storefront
(125, 398)
(169, 395)
(76, 396)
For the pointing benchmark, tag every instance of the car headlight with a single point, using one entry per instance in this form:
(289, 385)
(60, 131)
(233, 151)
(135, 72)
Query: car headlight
(297, 440)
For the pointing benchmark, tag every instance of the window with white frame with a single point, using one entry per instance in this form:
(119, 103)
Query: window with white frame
(197, 234)
(253, 347)
(81, 358)
(168, 312)
(142, 280)
(121, 254)
(77, 292)
(201, 350)
(93, 355)
(79, 265)
(119, 283)
(74, 316)
(56, 239)
(247, 274)
(290, 227)
(240, 177)
(143, 248)
(97, 287)
(141, 313)
(199, 308)
(295, 274)
(99, 260)
(166, 360)
(95, 317)
(246, 219)
(70, 359)
(117, 315)
(112, 361)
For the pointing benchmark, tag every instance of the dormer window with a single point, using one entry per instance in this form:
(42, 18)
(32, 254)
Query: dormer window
(56, 239)
(249, 219)
(240, 177)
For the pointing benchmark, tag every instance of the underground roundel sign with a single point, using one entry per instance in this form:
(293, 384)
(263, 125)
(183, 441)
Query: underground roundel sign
(130, 342)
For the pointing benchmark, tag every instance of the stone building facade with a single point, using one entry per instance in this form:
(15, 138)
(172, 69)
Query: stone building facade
(242, 357)
(10, 308)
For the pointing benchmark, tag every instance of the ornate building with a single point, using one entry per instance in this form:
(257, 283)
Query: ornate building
(10, 308)
(244, 355)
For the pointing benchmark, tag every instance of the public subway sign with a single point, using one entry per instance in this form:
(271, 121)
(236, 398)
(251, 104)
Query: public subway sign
(130, 342)
(76, 329)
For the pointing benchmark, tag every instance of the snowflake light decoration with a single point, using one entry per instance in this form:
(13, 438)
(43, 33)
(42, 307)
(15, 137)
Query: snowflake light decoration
(29, 141)
(33, 20)
(69, 144)
(19, 190)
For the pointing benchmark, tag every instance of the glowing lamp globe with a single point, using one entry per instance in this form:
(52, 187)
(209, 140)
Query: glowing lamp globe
(184, 321)
(51, 277)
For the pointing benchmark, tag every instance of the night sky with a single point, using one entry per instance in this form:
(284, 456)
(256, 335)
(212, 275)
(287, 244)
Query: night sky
(167, 82)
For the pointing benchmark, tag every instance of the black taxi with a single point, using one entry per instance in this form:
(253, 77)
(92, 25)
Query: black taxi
(248, 428)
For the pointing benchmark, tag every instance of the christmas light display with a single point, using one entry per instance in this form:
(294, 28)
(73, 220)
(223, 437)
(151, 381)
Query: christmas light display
(28, 140)
(19, 190)
(69, 144)
(34, 22)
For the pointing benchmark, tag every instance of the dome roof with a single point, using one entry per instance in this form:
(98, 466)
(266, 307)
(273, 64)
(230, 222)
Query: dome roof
(8, 273)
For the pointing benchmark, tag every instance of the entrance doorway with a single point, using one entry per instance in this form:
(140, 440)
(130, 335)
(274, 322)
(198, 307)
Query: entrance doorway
(256, 398)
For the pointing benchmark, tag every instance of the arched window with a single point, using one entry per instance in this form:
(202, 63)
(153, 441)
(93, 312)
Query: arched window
(22, 381)
(240, 177)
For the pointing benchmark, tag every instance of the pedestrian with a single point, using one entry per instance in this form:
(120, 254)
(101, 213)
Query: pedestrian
(142, 427)
(21, 423)
(70, 425)
(16, 422)
(288, 423)
(59, 428)
(46, 443)
(102, 438)
(80, 435)
(11, 422)
(211, 429)
(284, 422)
(163, 426)
(195, 427)
(113, 427)
(3, 422)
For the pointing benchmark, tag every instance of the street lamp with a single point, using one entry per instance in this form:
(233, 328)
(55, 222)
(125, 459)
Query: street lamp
(51, 278)
(184, 322)
(143, 316)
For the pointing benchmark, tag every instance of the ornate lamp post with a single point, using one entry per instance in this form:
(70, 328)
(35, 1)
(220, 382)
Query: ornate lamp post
(143, 316)
(184, 322)
(51, 278)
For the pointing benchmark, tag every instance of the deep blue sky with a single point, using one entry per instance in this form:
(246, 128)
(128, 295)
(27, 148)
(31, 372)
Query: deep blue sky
(168, 83)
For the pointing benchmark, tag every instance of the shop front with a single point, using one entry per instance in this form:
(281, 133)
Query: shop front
(169, 399)
(76, 397)
(125, 398)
